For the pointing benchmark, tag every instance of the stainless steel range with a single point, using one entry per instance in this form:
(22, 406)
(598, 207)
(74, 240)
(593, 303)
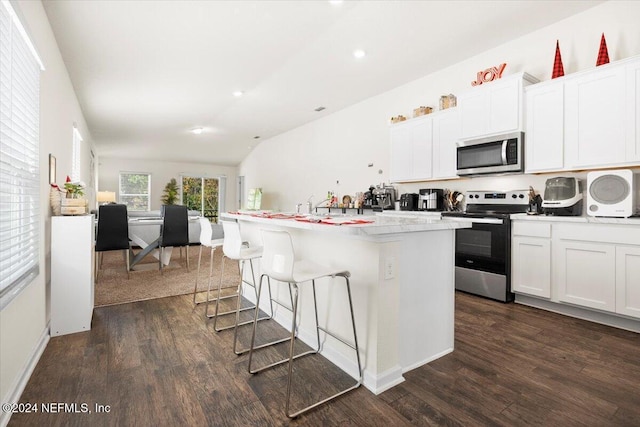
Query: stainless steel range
(483, 252)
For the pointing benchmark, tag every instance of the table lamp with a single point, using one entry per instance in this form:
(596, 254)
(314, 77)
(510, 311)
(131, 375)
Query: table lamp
(105, 197)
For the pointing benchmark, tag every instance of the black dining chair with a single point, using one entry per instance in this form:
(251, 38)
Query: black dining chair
(174, 231)
(113, 233)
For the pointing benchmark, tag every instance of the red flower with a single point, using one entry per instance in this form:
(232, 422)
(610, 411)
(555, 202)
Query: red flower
(68, 179)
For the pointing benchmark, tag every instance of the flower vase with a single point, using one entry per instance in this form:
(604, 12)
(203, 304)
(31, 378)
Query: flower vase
(55, 199)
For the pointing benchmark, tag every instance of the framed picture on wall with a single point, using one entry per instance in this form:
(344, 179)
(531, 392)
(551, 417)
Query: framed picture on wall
(52, 169)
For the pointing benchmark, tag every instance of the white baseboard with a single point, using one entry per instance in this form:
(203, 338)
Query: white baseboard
(384, 381)
(14, 393)
(427, 360)
(581, 313)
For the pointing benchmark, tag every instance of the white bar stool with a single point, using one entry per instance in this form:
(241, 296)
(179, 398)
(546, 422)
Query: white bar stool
(234, 248)
(279, 263)
(206, 232)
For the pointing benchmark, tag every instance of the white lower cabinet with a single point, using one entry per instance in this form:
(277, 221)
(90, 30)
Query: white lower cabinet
(628, 280)
(595, 266)
(72, 270)
(531, 259)
(586, 274)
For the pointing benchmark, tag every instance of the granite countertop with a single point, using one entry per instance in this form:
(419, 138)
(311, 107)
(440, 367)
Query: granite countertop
(577, 219)
(378, 225)
(411, 214)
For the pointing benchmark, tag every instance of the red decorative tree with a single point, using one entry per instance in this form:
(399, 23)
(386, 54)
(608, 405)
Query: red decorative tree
(603, 53)
(558, 69)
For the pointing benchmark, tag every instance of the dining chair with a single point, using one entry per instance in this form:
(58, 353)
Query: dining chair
(174, 231)
(113, 233)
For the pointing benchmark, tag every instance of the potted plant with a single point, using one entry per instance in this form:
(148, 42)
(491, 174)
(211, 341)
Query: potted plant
(170, 196)
(73, 203)
(75, 190)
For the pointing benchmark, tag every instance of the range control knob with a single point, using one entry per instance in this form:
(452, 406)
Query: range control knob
(521, 196)
(513, 196)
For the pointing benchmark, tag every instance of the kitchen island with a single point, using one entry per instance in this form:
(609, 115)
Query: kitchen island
(402, 283)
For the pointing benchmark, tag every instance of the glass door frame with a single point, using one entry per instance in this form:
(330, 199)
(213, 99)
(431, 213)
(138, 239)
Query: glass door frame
(216, 211)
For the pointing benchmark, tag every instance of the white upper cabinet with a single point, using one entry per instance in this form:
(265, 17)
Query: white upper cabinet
(494, 107)
(586, 120)
(544, 130)
(633, 112)
(446, 133)
(411, 150)
(595, 118)
(401, 152)
(474, 112)
(424, 148)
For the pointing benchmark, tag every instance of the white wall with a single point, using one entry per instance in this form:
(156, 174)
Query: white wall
(310, 159)
(24, 322)
(161, 172)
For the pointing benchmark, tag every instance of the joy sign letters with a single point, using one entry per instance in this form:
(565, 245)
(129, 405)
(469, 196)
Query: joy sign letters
(489, 75)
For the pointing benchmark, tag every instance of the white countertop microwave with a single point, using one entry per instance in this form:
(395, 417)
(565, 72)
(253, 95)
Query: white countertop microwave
(491, 155)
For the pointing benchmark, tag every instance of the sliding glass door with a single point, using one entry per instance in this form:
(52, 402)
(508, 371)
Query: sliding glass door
(202, 195)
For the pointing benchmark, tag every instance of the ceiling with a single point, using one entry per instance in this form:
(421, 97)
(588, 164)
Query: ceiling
(148, 72)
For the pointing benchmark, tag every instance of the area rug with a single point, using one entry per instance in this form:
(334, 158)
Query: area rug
(146, 282)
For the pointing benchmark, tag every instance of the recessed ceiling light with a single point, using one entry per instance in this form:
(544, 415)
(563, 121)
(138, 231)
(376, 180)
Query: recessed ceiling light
(196, 131)
(319, 109)
(359, 53)
(238, 93)
(256, 137)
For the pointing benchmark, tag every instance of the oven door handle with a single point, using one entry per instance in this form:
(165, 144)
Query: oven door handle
(475, 220)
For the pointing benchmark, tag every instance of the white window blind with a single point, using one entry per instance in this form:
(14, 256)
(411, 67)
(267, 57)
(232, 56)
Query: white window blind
(19, 163)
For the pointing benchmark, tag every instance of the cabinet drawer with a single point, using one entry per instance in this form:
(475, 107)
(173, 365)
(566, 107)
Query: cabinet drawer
(625, 234)
(533, 229)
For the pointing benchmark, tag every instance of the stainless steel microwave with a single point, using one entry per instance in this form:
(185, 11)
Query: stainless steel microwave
(492, 155)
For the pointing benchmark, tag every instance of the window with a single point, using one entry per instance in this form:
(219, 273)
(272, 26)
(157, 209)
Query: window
(19, 163)
(76, 155)
(134, 190)
(205, 195)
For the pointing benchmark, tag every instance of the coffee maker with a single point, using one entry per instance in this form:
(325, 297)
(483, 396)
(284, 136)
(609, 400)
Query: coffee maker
(369, 201)
(409, 202)
(384, 197)
(431, 199)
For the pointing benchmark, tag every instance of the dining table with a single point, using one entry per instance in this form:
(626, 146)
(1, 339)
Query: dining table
(145, 233)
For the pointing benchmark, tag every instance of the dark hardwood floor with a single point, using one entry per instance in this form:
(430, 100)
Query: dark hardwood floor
(158, 362)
